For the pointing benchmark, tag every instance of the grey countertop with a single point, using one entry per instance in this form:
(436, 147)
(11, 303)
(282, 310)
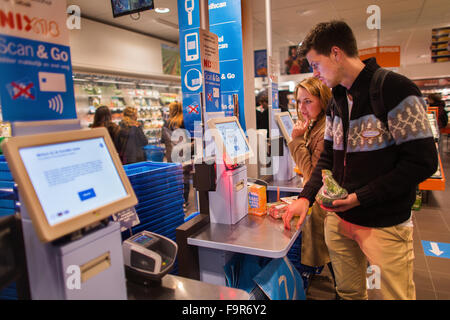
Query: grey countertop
(260, 236)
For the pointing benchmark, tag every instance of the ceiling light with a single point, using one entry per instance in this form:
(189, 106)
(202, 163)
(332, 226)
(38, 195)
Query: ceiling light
(162, 10)
(154, 85)
(114, 81)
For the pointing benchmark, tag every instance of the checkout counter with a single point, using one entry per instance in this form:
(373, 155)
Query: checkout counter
(69, 185)
(230, 230)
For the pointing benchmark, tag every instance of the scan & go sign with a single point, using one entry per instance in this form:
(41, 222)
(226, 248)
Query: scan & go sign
(36, 79)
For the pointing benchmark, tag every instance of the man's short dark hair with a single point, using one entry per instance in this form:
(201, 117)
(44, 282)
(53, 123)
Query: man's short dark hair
(325, 35)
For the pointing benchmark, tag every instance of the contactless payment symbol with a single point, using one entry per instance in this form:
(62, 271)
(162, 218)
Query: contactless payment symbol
(56, 104)
(193, 79)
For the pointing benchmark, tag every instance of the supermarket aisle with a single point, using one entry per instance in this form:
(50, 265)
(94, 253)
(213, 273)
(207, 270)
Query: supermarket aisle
(431, 223)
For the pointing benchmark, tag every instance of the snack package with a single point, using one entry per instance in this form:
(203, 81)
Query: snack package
(289, 200)
(257, 200)
(330, 190)
(276, 209)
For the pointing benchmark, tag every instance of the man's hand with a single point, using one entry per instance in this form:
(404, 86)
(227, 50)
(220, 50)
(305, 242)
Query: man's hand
(343, 205)
(298, 208)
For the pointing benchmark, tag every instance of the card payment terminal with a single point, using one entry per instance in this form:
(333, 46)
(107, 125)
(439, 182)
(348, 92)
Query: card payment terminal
(148, 256)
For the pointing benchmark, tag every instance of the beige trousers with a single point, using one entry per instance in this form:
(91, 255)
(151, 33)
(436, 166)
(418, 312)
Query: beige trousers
(389, 252)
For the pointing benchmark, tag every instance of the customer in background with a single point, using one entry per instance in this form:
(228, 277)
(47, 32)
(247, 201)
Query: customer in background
(312, 98)
(435, 100)
(131, 138)
(182, 153)
(379, 162)
(175, 121)
(262, 115)
(103, 118)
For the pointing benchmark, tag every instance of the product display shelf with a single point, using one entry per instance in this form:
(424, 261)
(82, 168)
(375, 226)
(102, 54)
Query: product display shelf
(159, 189)
(439, 44)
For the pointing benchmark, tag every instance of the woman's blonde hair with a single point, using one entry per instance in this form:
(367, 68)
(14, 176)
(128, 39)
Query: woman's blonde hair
(175, 115)
(316, 88)
(130, 116)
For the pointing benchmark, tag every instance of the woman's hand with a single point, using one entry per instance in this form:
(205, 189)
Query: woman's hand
(299, 128)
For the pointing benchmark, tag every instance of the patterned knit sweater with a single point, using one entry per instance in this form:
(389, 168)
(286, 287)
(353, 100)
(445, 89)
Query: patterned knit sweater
(381, 162)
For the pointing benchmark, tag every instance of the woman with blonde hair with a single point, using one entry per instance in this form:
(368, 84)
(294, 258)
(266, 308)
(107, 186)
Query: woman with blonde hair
(131, 138)
(175, 122)
(312, 98)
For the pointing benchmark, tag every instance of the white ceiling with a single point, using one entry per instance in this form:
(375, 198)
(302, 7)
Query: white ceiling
(406, 23)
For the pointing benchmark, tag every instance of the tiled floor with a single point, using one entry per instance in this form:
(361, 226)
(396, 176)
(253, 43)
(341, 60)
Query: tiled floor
(431, 223)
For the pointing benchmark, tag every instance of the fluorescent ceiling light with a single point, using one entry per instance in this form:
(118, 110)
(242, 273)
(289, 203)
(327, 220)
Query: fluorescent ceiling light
(162, 10)
(154, 85)
(113, 81)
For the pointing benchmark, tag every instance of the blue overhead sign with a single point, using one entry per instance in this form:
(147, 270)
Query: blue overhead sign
(191, 68)
(36, 80)
(36, 71)
(225, 20)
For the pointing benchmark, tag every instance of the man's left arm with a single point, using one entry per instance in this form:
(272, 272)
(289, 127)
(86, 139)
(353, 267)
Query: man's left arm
(417, 157)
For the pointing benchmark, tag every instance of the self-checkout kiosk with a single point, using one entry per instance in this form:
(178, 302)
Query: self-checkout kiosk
(70, 183)
(229, 203)
(284, 170)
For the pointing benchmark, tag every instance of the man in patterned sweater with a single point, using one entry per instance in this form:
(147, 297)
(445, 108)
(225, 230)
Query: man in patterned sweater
(379, 162)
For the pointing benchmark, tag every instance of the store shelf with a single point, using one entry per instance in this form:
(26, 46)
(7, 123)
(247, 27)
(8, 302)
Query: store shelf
(439, 42)
(440, 56)
(439, 49)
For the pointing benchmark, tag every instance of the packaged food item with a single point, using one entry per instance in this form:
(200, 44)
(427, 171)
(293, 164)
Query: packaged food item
(277, 209)
(257, 200)
(330, 190)
(289, 200)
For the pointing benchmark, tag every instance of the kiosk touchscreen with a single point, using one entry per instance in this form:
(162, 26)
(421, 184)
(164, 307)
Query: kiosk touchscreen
(231, 140)
(68, 180)
(286, 125)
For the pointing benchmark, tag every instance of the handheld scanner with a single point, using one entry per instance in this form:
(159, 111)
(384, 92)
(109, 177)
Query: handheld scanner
(189, 5)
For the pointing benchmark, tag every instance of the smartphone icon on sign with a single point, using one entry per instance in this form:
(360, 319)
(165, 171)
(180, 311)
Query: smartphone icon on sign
(191, 44)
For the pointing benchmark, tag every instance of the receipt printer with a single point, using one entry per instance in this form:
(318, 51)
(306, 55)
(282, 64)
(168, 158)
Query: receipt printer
(148, 256)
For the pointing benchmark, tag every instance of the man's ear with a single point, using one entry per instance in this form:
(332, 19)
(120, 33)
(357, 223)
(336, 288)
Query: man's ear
(336, 53)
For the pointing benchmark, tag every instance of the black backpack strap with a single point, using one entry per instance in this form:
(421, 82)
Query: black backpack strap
(376, 94)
